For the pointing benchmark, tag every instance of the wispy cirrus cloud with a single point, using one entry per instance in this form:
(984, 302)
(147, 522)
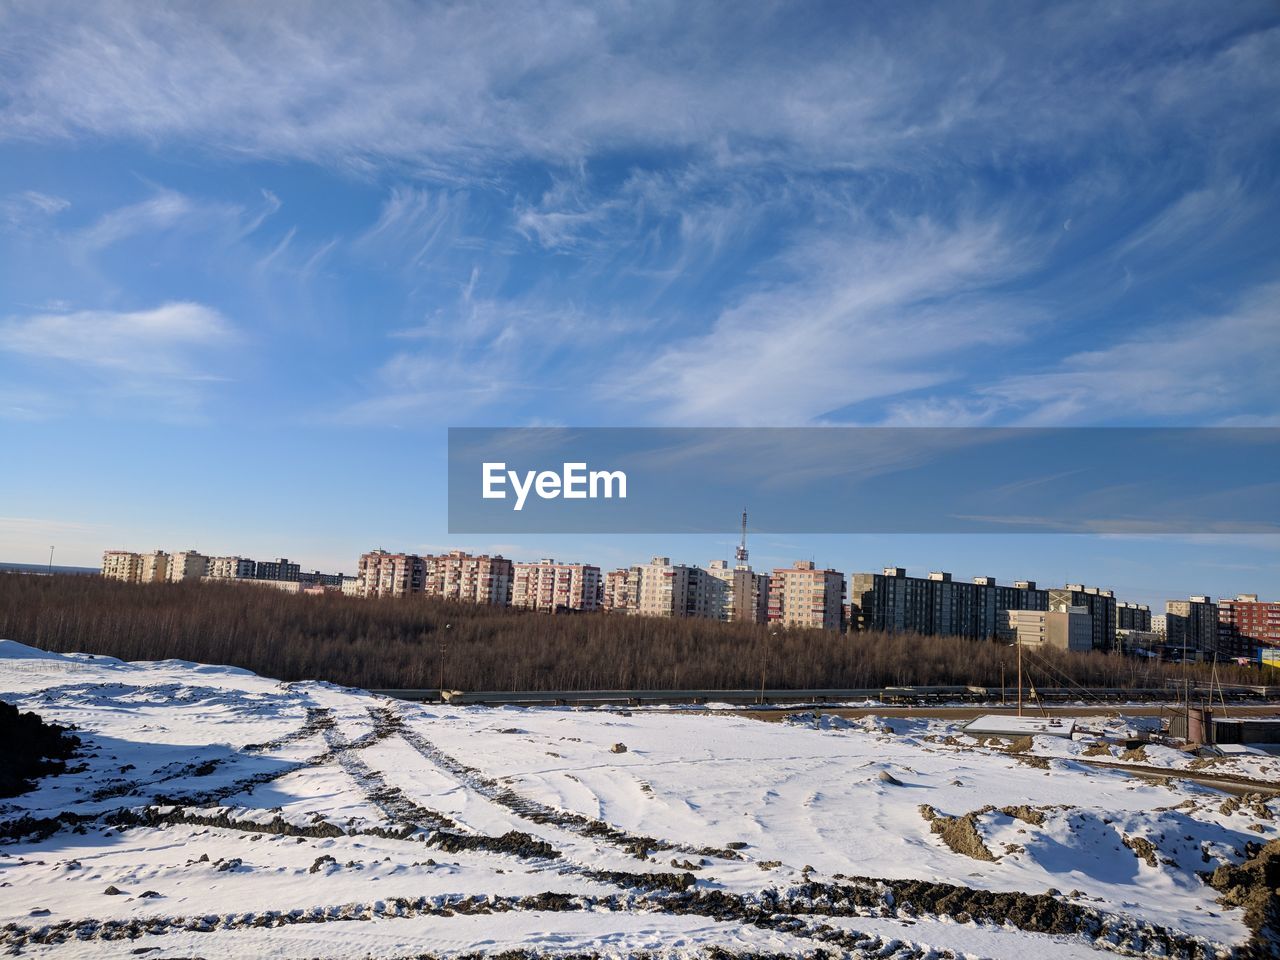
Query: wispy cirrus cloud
(168, 210)
(1205, 368)
(22, 208)
(865, 317)
(169, 354)
(439, 84)
(162, 342)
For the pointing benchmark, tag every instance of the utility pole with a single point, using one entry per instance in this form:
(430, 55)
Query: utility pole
(1019, 641)
(764, 662)
(444, 643)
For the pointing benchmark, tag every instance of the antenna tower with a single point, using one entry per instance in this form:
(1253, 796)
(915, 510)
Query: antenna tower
(740, 555)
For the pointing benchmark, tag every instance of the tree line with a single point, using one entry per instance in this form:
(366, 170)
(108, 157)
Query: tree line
(405, 643)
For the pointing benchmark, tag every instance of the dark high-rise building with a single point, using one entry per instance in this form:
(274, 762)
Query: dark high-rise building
(936, 605)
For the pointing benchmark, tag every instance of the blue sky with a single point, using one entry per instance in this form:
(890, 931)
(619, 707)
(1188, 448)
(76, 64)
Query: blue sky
(255, 259)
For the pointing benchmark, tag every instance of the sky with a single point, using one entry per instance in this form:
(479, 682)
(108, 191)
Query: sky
(256, 259)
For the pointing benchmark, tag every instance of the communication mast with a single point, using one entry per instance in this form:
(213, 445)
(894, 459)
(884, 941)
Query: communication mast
(740, 555)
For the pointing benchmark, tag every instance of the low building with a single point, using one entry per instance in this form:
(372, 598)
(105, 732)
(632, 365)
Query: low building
(804, 596)
(553, 587)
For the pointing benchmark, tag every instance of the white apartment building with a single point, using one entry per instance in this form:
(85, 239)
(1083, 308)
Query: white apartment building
(228, 568)
(803, 596)
(187, 565)
(122, 565)
(135, 567)
(745, 597)
(661, 588)
(551, 586)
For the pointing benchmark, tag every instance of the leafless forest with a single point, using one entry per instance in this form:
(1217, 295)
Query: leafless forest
(398, 643)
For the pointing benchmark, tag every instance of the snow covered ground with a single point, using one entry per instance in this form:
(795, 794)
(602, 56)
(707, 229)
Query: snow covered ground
(236, 816)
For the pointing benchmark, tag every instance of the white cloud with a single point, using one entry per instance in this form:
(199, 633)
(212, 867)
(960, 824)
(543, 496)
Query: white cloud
(438, 84)
(30, 210)
(1207, 369)
(414, 225)
(167, 342)
(169, 210)
(858, 318)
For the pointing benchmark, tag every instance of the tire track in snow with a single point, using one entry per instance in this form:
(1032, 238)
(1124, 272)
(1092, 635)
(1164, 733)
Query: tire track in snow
(540, 813)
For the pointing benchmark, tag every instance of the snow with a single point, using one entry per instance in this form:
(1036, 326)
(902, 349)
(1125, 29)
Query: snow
(258, 804)
(1001, 725)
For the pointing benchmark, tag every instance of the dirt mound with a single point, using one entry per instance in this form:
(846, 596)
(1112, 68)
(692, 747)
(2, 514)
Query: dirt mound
(29, 749)
(1252, 886)
(1027, 814)
(959, 833)
(1142, 848)
(513, 842)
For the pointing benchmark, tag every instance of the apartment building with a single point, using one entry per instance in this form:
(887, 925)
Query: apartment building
(461, 576)
(1066, 628)
(1191, 626)
(551, 586)
(661, 588)
(135, 567)
(383, 574)
(745, 596)
(615, 594)
(280, 569)
(804, 596)
(937, 605)
(1245, 624)
(122, 565)
(1133, 616)
(187, 565)
(228, 568)
(1101, 605)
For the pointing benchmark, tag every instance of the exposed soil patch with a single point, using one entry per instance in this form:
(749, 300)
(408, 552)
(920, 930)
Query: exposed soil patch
(958, 833)
(512, 842)
(1142, 848)
(1255, 886)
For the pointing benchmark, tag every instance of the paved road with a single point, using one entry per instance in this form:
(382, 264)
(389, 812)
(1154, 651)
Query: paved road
(969, 713)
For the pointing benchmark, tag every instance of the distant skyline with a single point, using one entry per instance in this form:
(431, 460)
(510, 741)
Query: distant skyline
(255, 260)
